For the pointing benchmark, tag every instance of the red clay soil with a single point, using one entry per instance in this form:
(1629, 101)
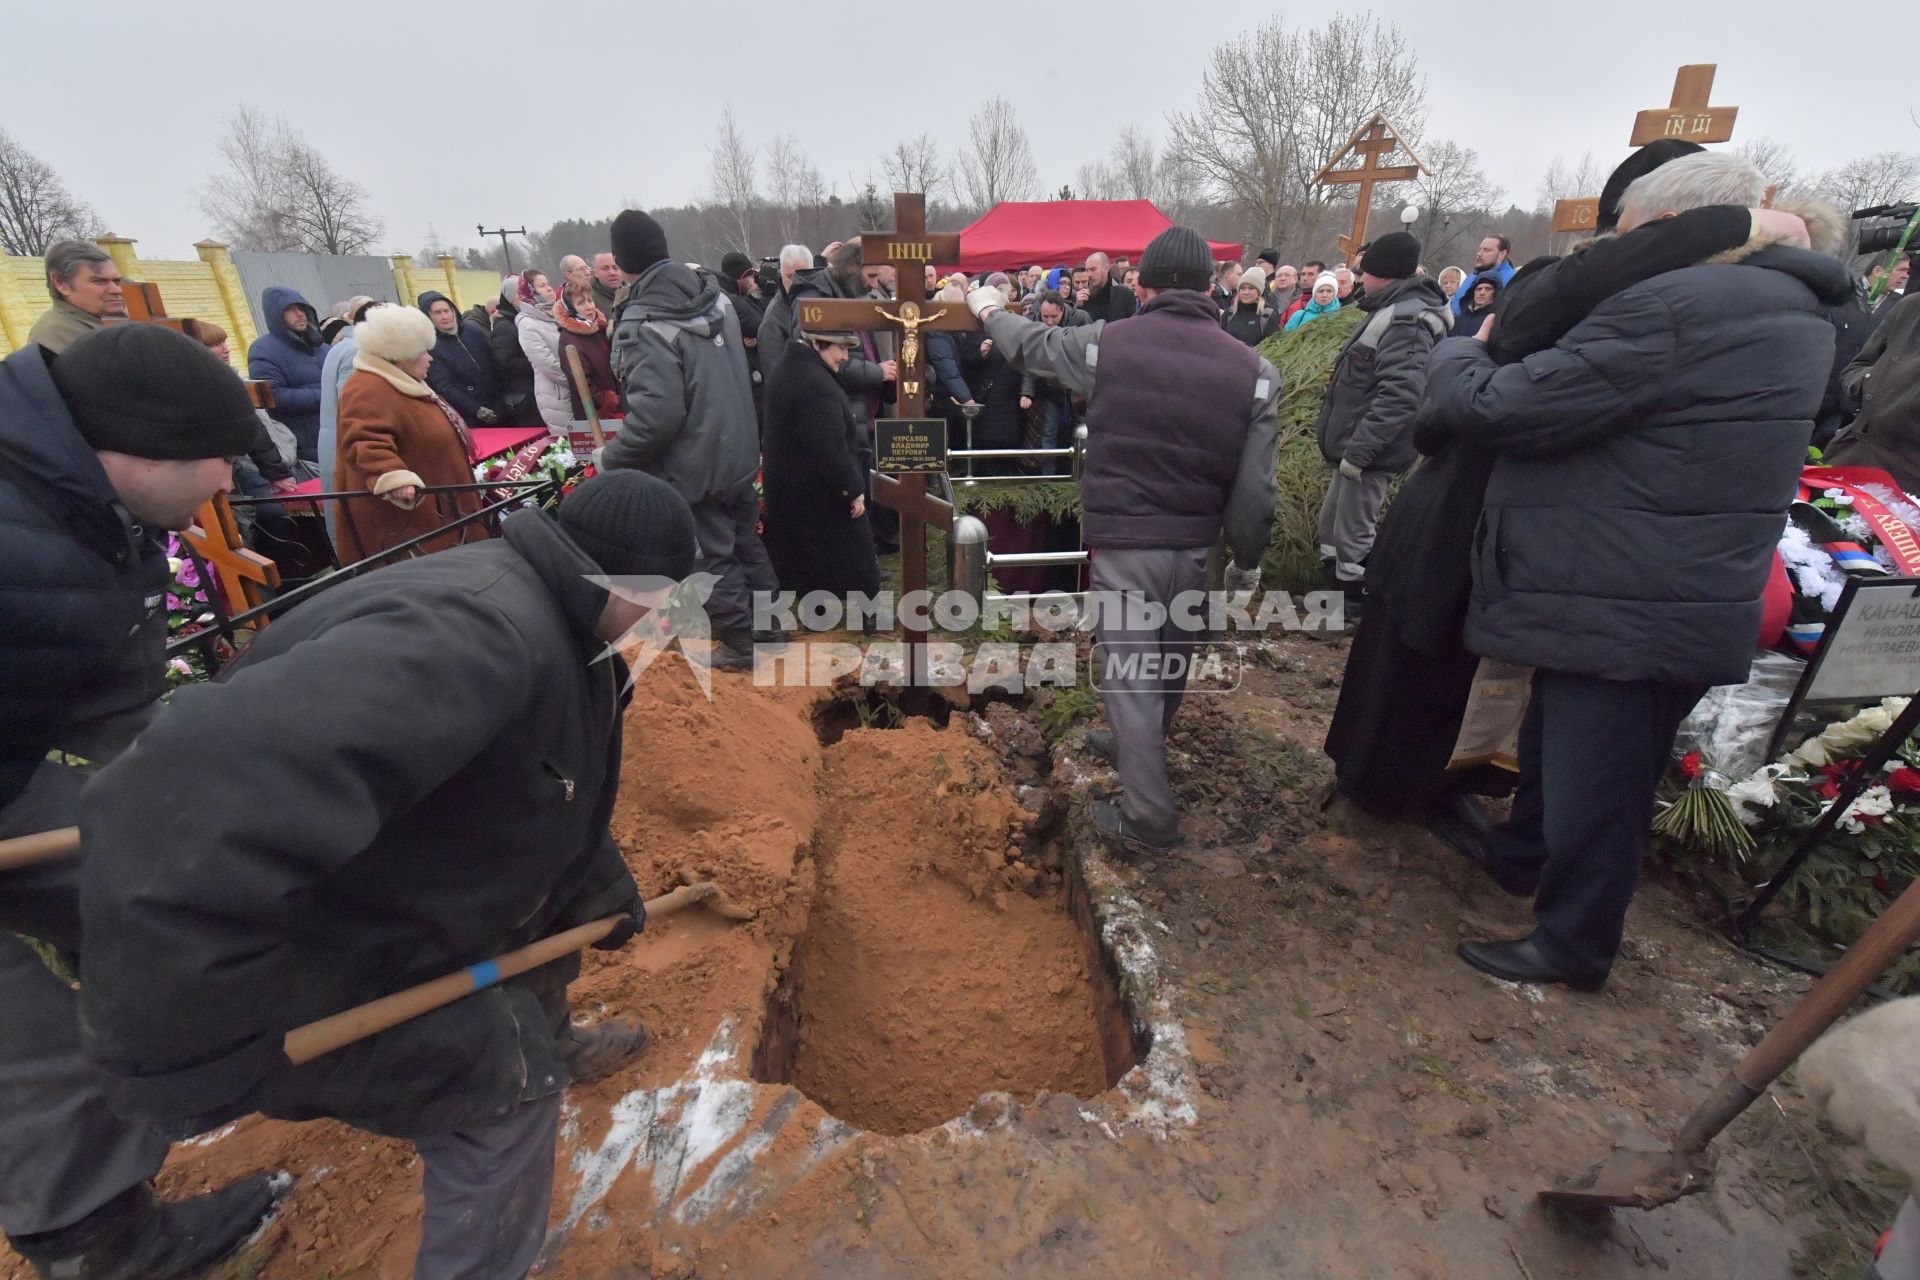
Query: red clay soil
(928, 976)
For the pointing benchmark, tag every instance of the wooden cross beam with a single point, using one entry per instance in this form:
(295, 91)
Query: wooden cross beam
(909, 248)
(1373, 141)
(1687, 116)
(244, 575)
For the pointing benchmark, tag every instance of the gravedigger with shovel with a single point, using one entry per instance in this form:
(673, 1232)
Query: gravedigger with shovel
(410, 773)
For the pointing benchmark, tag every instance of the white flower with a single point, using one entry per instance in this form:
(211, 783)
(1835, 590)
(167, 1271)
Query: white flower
(1874, 802)
(174, 563)
(1745, 796)
(1811, 752)
(1840, 496)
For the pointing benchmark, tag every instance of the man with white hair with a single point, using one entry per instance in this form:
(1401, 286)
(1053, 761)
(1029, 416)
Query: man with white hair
(776, 320)
(1106, 298)
(1643, 468)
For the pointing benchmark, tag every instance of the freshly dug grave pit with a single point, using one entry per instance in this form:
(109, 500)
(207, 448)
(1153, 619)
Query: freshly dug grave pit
(936, 965)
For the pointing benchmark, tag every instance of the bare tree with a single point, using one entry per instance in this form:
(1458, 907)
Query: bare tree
(328, 212)
(914, 165)
(997, 164)
(1885, 177)
(36, 208)
(1276, 104)
(1455, 196)
(1135, 166)
(1096, 181)
(1771, 157)
(732, 177)
(273, 192)
(1564, 181)
(794, 186)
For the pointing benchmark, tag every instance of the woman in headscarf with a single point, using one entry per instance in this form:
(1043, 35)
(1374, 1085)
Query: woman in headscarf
(1323, 301)
(397, 438)
(539, 335)
(816, 534)
(584, 329)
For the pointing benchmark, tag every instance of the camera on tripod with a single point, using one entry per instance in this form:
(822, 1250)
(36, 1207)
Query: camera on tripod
(1880, 228)
(768, 272)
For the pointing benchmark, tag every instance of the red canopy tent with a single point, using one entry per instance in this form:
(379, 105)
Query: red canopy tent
(1021, 233)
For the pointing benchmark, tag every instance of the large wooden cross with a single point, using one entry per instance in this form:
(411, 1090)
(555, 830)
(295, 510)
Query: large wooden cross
(908, 248)
(1687, 116)
(1373, 141)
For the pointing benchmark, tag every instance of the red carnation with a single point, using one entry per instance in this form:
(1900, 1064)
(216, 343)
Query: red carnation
(1904, 781)
(1690, 765)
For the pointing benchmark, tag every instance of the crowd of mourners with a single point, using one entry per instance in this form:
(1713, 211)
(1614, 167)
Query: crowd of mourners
(1606, 447)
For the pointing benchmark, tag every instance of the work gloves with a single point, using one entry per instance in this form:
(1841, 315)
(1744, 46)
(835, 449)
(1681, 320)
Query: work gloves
(1241, 584)
(1349, 470)
(622, 933)
(985, 299)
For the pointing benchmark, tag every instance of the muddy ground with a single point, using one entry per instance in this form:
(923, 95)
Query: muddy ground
(1274, 1066)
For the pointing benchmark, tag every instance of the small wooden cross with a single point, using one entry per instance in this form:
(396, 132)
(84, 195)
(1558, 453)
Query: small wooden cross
(1374, 140)
(1687, 116)
(215, 538)
(909, 248)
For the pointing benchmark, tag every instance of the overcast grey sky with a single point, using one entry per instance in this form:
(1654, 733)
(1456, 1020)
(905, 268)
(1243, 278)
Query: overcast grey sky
(452, 114)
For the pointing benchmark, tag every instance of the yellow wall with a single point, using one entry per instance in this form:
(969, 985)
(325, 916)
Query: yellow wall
(207, 288)
(466, 287)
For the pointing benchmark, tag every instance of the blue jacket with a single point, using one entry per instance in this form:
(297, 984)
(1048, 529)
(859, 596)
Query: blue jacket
(1502, 273)
(334, 372)
(1643, 469)
(290, 364)
(1312, 311)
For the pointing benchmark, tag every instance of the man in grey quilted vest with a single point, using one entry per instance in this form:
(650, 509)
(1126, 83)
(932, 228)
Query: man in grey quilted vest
(1182, 420)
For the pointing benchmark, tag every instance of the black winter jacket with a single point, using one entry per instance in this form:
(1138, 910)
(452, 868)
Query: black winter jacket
(83, 617)
(1644, 469)
(1112, 301)
(463, 371)
(515, 370)
(1252, 325)
(410, 773)
(859, 376)
(1367, 416)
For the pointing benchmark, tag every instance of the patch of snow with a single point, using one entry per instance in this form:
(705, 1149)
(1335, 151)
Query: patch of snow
(208, 1139)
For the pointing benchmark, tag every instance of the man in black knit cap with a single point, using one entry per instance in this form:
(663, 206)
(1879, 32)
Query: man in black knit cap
(408, 774)
(682, 363)
(1180, 448)
(103, 448)
(1366, 420)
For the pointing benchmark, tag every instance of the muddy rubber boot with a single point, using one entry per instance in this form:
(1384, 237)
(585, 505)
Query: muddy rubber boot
(135, 1236)
(733, 653)
(596, 1052)
(1100, 742)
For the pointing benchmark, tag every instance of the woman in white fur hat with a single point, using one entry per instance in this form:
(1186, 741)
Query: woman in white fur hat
(396, 438)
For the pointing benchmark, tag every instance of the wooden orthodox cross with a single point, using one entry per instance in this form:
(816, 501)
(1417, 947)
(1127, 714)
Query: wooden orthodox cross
(1373, 142)
(1687, 116)
(909, 248)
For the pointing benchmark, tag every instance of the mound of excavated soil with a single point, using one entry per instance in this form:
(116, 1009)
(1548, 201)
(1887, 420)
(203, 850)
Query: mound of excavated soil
(927, 975)
(924, 963)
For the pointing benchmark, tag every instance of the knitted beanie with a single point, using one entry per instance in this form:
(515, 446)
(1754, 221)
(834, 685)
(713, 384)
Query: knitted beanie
(1255, 276)
(1394, 256)
(735, 265)
(153, 392)
(1177, 258)
(632, 525)
(638, 242)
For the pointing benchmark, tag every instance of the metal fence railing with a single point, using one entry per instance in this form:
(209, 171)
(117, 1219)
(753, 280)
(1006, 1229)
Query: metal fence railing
(214, 640)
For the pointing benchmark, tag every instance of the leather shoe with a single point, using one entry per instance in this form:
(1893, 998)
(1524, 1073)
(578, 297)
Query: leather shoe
(1121, 837)
(135, 1236)
(596, 1052)
(1522, 961)
(1472, 845)
(1100, 742)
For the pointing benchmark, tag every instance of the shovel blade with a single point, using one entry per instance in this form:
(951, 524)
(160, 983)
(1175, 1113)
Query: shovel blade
(1629, 1179)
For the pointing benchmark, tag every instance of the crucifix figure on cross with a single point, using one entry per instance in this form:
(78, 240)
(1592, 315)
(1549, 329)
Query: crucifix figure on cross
(910, 248)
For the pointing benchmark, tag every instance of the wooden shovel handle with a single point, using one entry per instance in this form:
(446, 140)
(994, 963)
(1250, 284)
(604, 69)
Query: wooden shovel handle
(581, 389)
(41, 846)
(316, 1039)
(1882, 944)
